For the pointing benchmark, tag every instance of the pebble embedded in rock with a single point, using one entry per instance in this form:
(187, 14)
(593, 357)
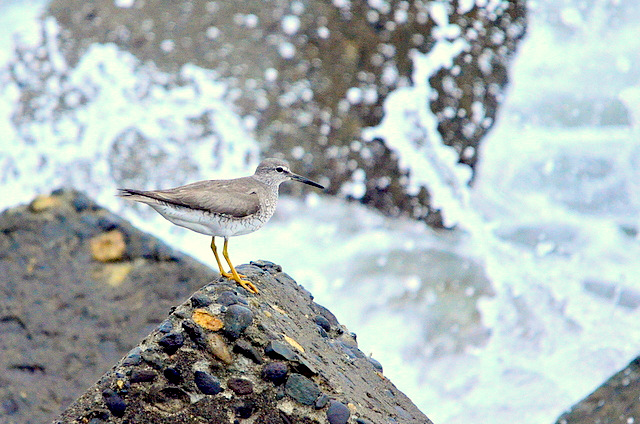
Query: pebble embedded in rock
(140, 376)
(278, 350)
(200, 300)
(244, 410)
(377, 365)
(219, 348)
(321, 402)
(208, 384)
(114, 402)
(245, 348)
(172, 375)
(302, 389)
(227, 298)
(195, 333)
(236, 320)
(204, 319)
(108, 247)
(166, 326)
(240, 386)
(338, 413)
(276, 372)
(322, 322)
(171, 342)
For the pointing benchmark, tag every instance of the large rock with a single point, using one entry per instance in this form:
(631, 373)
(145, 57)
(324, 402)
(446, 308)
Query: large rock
(616, 401)
(307, 78)
(81, 288)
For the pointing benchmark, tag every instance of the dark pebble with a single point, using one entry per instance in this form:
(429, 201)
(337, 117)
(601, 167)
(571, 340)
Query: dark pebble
(245, 348)
(280, 394)
(166, 326)
(199, 300)
(171, 342)
(208, 384)
(321, 310)
(244, 410)
(81, 203)
(108, 223)
(278, 350)
(133, 358)
(276, 372)
(302, 389)
(322, 322)
(321, 402)
(141, 376)
(304, 367)
(173, 375)
(152, 357)
(362, 421)
(227, 298)
(240, 386)
(322, 332)
(236, 320)
(195, 334)
(114, 402)
(377, 365)
(338, 413)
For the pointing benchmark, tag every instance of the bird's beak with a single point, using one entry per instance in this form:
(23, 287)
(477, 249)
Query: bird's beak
(297, 177)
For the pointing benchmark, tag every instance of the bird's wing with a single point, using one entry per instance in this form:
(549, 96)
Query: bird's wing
(219, 196)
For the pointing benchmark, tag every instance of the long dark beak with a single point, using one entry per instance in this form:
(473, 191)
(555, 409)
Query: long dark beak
(297, 177)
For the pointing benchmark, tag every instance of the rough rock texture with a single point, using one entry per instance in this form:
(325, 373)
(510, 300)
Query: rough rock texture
(78, 288)
(271, 362)
(76, 296)
(309, 77)
(615, 402)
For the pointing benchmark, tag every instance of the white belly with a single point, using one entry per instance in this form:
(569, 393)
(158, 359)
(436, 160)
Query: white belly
(209, 224)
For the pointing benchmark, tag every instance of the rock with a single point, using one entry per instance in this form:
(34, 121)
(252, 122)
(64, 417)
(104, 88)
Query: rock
(245, 410)
(338, 413)
(302, 389)
(114, 402)
(322, 401)
(245, 348)
(172, 375)
(195, 334)
(240, 386)
(322, 322)
(204, 319)
(236, 320)
(275, 372)
(109, 246)
(142, 375)
(171, 342)
(219, 348)
(278, 350)
(227, 298)
(377, 365)
(200, 300)
(208, 384)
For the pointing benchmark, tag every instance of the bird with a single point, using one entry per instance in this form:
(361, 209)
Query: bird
(223, 208)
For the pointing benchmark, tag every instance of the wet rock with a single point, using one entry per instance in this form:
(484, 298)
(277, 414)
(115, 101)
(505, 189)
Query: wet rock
(171, 342)
(302, 389)
(236, 320)
(245, 348)
(142, 375)
(278, 350)
(276, 372)
(114, 402)
(240, 386)
(208, 384)
(322, 322)
(338, 413)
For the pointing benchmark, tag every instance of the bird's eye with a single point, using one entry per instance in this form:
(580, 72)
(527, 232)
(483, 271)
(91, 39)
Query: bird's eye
(279, 169)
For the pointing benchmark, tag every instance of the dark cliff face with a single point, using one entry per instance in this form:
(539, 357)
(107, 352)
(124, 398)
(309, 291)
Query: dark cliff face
(81, 288)
(309, 77)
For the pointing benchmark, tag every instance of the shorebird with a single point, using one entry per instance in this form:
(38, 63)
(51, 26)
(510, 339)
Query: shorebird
(223, 208)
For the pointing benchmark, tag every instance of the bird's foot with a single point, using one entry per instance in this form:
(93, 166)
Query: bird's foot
(248, 285)
(230, 275)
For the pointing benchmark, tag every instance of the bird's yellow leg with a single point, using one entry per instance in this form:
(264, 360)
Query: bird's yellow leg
(215, 253)
(244, 283)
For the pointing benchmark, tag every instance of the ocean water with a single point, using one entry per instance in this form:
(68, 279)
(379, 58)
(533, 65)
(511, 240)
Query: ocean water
(522, 310)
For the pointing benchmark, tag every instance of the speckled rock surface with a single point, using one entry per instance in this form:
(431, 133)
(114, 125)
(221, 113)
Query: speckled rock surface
(73, 301)
(312, 75)
(615, 402)
(285, 367)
